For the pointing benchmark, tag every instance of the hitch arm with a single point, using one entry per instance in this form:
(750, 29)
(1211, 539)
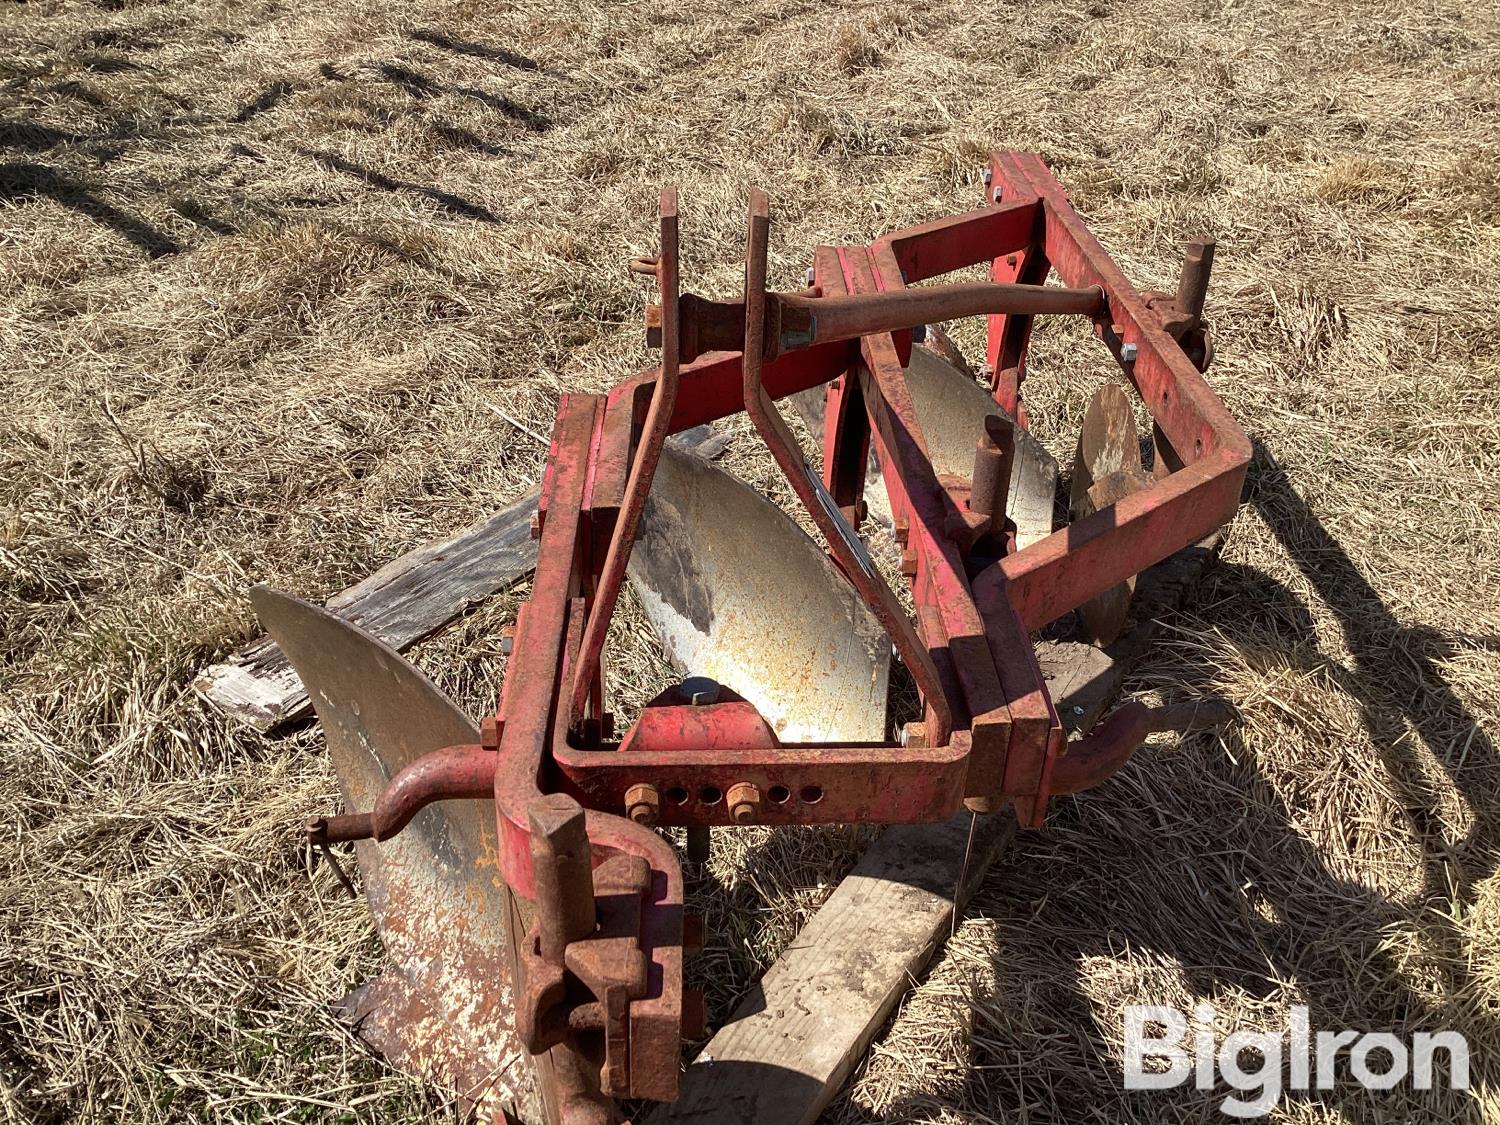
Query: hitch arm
(1098, 756)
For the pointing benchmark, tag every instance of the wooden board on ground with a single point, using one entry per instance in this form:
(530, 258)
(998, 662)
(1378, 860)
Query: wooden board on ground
(402, 603)
(806, 1024)
(797, 1037)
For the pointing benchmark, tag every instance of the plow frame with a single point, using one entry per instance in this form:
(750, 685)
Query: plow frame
(989, 732)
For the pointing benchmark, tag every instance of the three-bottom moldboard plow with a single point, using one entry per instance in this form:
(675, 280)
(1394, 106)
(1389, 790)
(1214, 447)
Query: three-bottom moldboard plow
(529, 907)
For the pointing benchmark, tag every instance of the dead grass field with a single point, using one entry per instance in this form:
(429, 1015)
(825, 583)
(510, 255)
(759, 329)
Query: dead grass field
(265, 268)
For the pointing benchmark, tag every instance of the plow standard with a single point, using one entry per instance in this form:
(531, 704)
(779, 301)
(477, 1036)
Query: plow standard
(531, 911)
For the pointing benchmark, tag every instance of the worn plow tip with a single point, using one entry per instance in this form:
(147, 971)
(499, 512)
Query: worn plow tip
(441, 1009)
(739, 593)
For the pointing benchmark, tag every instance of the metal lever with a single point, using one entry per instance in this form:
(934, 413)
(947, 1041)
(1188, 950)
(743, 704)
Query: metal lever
(809, 489)
(648, 452)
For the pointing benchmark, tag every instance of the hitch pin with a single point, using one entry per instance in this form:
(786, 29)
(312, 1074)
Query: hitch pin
(317, 841)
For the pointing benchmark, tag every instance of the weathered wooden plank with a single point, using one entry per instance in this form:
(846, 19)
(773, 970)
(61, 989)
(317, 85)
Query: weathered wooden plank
(797, 1037)
(802, 1030)
(402, 603)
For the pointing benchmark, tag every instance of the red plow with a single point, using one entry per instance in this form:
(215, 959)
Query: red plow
(532, 912)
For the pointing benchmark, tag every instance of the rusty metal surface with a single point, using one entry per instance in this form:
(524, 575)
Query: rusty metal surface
(442, 1006)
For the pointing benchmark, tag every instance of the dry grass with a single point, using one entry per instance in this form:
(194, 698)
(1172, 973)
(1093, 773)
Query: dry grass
(266, 268)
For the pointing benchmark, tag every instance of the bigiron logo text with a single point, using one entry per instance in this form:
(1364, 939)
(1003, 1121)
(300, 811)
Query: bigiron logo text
(1376, 1060)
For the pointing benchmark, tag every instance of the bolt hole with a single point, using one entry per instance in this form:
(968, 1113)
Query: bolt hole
(1164, 396)
(677, 795)
(779, 794)
(1198, 447)
(811, 794)
(710, 795)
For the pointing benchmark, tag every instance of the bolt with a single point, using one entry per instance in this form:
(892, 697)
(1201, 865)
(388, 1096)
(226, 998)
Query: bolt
(744, 802)
(998, 194)
(809, 277)
(1127, 353)
(536, 524)
(507, 639)
(919, 334)
(642, 804)
(1077, 710)
(987, 175)
(700, 690)
(489, 732)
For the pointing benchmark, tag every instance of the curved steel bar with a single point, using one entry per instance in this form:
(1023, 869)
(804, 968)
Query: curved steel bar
(843, 543)
(805, 321)
(448, 774)
(654, 433)
(1098, 756)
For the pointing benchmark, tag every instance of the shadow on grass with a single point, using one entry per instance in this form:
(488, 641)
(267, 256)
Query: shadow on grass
(454, 204)
(22, 181)
(1203, 860)
(474, 50)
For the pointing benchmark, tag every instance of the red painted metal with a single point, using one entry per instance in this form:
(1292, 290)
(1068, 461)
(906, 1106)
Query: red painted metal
(990, 733)
(654, 433)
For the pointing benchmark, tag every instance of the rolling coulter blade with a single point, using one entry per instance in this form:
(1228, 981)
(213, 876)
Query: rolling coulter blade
(1106, 468)
(442, 1006)
(738, 593)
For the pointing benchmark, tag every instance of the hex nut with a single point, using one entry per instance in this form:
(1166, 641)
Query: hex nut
(643, 804)
(744, 802)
